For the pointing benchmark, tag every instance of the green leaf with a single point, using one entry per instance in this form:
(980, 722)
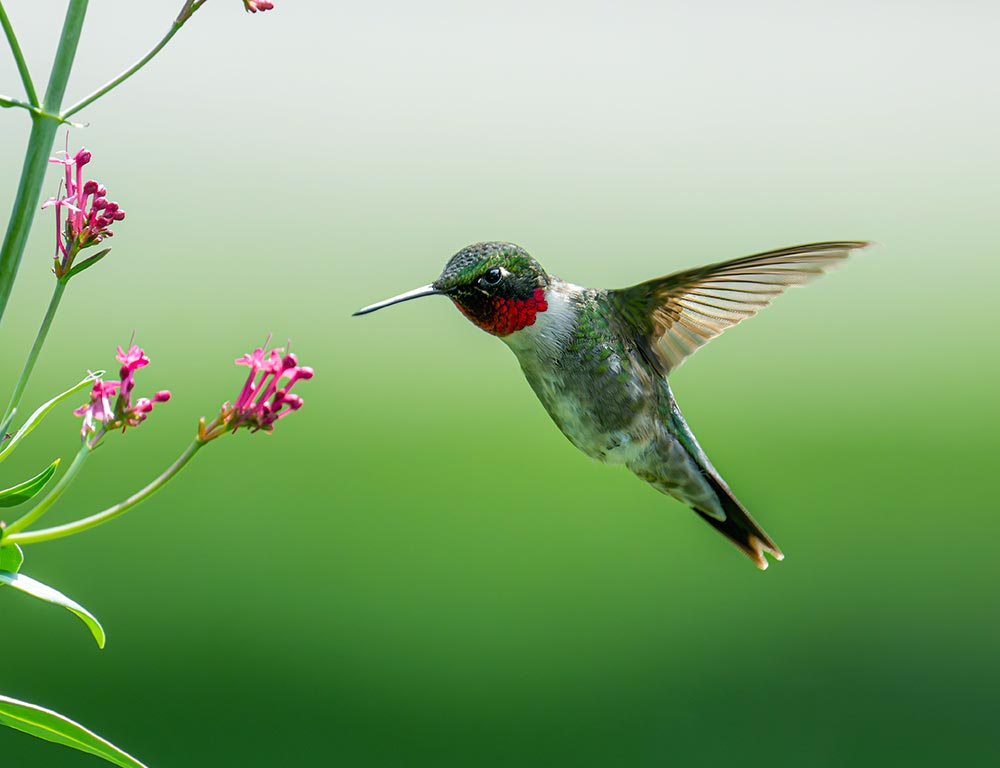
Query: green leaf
(44, 592)
(87, 264)
(41, 412)
(11, 558)
(21, 492)
(51, 726)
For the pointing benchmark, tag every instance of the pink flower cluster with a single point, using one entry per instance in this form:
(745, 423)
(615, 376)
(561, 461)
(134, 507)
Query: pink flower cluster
(89, 213)
(253, 6)
(266, 396)
(99, 416)
(262, 401)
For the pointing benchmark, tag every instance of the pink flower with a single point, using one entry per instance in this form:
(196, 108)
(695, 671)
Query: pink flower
(99, 416)
(89, 214)
(266, 396)
(253, 6)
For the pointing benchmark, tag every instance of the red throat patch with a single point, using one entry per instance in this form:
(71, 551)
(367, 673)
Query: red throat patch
(510, 315)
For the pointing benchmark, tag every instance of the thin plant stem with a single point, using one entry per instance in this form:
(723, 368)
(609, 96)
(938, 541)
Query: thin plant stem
(36, 158)
(86, 523)
(36, 348)
(6, 103)
(112, 84)
(22, 65)
(52, 497)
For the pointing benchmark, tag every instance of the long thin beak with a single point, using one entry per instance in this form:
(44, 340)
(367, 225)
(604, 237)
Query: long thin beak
(416, 293)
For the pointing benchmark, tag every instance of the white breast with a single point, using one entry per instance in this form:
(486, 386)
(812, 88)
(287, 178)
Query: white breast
(544, 339)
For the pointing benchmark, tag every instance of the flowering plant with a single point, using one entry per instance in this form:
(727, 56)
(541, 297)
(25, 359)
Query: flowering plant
(84, 216)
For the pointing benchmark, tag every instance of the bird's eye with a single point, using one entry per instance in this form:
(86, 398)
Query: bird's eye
(491, 276)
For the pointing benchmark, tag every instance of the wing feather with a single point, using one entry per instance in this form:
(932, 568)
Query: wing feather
(677, 314)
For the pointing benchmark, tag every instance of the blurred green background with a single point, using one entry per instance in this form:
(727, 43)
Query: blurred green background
(417, 568)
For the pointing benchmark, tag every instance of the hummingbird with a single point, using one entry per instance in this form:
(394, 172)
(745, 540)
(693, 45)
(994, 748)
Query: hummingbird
(599, 359)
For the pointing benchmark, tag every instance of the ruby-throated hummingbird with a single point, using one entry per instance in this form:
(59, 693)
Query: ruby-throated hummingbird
(599, 359)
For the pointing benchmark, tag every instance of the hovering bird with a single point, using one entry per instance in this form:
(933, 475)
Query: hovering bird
(599, 359)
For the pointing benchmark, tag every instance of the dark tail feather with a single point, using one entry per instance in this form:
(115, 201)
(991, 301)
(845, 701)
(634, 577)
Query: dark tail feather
(739, 527)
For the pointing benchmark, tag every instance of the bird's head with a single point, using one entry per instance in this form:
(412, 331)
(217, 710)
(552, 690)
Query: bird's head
(498, 286)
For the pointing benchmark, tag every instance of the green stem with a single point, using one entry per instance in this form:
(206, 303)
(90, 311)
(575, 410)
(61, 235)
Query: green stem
(22, 65)
(29, 364)
(112, 84)
(43, 132)
(78, 526)
(9, 103)
(53, 496)
(6, 102)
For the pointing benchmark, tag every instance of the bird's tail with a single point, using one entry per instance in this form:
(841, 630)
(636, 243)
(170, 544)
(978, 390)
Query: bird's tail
(739, 527)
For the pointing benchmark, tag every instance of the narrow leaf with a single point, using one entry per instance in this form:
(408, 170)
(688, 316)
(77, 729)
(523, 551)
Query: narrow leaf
(41, 412)
(44, 592)
(11, 558)
(4, 434)
(86, 264)
(51, 726)
(21, 492)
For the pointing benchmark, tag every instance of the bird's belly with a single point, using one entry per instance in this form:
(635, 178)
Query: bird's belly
(611, 424)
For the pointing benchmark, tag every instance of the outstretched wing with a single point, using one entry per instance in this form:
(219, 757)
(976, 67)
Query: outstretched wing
(675, 315)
